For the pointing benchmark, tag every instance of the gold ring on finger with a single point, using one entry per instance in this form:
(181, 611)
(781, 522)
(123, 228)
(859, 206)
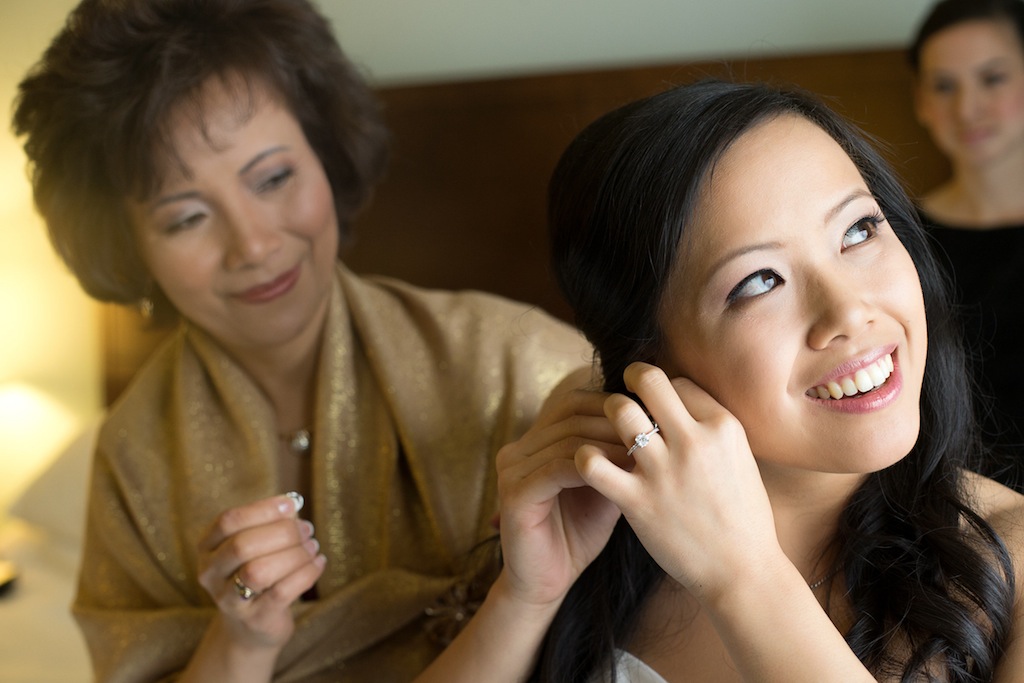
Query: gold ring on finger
(243, 590)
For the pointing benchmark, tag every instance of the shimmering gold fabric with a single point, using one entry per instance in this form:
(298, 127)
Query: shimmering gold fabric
(417, 391)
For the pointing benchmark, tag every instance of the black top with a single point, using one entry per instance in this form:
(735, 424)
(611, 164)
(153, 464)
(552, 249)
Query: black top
(988, 274)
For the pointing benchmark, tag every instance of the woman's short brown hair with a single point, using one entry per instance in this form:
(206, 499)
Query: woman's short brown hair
(94, 113)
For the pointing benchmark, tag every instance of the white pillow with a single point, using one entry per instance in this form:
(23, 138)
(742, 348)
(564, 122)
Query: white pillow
(55, 500)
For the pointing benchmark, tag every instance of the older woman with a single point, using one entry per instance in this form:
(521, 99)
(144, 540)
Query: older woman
(205, 157)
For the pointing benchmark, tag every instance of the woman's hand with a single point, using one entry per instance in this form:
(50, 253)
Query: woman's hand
(552, 527)
(552, 524)
(694, 496)
(255, 561)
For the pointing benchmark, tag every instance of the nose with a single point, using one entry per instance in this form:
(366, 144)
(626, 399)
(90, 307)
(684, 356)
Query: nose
(839, 311)
(250, 237)
(966, 102)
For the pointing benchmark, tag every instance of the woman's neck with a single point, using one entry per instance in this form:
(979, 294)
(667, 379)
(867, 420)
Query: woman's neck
(981, 196)
(287, 374)
(290, 386)
(807, 507)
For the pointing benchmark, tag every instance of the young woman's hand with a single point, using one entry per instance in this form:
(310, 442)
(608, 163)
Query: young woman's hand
(694, 495)
(255, 561)
(552, 524)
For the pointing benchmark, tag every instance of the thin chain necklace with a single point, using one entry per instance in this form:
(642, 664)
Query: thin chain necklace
(827, 577)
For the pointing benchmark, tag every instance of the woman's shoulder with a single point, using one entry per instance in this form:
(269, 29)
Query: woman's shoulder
(462, 317)
(1001, 507)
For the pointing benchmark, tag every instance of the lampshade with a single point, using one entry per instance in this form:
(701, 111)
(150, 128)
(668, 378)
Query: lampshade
(34, 426)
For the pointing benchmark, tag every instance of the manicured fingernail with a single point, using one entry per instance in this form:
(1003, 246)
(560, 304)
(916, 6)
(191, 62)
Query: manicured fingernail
(312, 546)
(308, 526)
(297, 499)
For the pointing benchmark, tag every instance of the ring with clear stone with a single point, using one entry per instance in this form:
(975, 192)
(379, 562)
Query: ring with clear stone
(641, 440)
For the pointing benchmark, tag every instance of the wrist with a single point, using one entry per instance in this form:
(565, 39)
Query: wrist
(516, 604)
(774, 578)
(500, 642)
(223, 656)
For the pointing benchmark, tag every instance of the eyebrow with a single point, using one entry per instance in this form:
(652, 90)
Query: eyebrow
(846, 201)
(830, 215)
(997, 62)
(191, 194)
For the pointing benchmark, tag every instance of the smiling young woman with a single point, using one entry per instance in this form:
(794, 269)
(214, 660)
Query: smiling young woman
(734, 252)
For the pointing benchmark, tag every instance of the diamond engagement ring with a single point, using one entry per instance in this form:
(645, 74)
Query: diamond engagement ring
(641, 440)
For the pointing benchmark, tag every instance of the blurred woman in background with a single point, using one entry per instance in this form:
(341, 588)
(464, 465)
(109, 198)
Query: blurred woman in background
(968, 58)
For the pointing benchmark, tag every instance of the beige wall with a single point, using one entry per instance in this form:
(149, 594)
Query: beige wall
(404, 41)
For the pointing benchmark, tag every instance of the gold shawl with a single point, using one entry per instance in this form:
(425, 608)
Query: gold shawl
(416, 392)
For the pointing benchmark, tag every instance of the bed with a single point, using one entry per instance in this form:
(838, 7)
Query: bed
(39, 642)
(462, 207)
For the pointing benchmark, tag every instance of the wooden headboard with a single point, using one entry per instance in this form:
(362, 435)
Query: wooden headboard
(463, 205)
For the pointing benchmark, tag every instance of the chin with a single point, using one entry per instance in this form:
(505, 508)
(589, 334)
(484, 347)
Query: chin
(896, 448)
(871, 455)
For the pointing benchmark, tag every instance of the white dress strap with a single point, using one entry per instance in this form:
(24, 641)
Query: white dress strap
(629, 669)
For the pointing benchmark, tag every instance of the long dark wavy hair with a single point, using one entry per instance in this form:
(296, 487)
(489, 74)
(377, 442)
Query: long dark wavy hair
(918, 563)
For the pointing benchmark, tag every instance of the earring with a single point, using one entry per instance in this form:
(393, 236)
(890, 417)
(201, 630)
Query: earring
(146, 307)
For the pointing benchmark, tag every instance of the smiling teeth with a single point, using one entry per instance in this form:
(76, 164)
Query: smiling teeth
(860, 382)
